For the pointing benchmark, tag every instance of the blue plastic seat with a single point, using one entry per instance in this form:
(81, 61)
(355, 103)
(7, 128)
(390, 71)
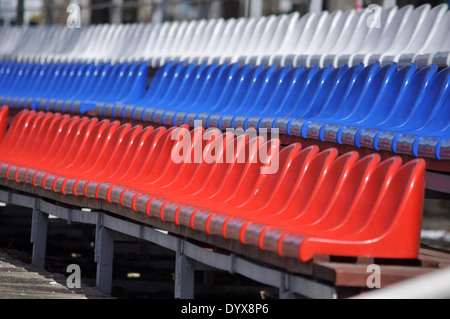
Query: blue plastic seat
(182, 79)
(210, 93)
(425, 132)
(396, 109)
(61, 94)
(236, 116)
(375, 100)
(316, 99)
(264, 117)
(272, 94)
(224, 92)
(419, 115)
(13, 78)
(236, 91)
(300, 83)
(197, 96)
(80, 92)
(433, 140)
(72, 87)
(358, 103)
(342, 91)
(381, 105)
(300, 102)
(42, 84)
(164, 90)
(133, 85)
(187, 99)
(127, 108)
(58, 90)
(192, 80)
(400, 109)
(363, 81)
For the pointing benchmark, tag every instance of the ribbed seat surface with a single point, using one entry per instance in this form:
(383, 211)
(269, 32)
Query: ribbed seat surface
(75, 88)
(404, 35)
(399, 109)
(293, 201)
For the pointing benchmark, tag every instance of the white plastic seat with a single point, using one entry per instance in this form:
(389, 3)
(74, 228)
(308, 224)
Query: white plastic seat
(425, 34)
(193, 42)
(276, 41)
(111, 43)
(68, 41)
(241, 33)
(334, 35)
(225, 39)
(352, 33)
(155, 45)
(141, 45)
(262, 43)
(406, 35)
(27, 43)
(376, 37)
(210, 42)
(77, 48)
(138, 32)
(115, 44)
(306, 26)
(250, 40)
(434, 42)
(442, 57)
(168, 42)
(343, 54)
(149, 42)
(182, 37)
(98, 38)
(317, 37)
(286, 35)
(205, 39)
(291, 41)
(401, 35)
(415, 30)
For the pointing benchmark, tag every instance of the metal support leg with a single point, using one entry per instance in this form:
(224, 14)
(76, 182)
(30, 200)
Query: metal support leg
(256, 8)
(315, 5)
(116, 11)
(389, 3)
(39, 227)
(158, 11)
(184, 274)
(285, 290)
(104, 248)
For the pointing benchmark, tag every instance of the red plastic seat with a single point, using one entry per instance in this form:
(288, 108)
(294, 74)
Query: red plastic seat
(313, 203)
(394, 225)
(4, 113)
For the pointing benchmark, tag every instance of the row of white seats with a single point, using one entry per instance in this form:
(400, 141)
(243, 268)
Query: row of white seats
(405, 35)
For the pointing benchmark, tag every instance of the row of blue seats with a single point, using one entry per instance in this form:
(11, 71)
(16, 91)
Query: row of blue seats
(71, 88)
(405, 110)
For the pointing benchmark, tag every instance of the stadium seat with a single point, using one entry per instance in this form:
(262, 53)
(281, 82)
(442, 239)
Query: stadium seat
(378, 106)
(313, 202)
(404, 35)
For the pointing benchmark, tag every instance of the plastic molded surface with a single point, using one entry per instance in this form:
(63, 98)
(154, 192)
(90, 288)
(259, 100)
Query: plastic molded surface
(401, 109)
(292, 201)
(402, 35)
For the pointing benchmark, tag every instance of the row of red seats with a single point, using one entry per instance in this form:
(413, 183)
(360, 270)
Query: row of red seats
(315, 202)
